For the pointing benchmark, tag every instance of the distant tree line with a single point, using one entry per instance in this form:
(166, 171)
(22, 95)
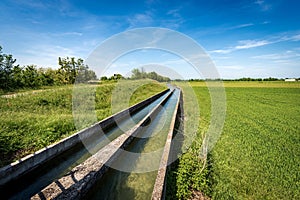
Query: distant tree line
(114, 77)
(137, 74)
(242, 79)
(141, 74)
(12, 76)
(258, 79)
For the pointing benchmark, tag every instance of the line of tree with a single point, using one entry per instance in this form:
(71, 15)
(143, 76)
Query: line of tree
(12, 76)
(114, 77)
(242, 79)
(141, 74)
(137, 74)
(258, 79)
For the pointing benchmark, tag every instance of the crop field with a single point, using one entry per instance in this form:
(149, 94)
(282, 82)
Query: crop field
(33, 120)
(256, 157)
(258, 153)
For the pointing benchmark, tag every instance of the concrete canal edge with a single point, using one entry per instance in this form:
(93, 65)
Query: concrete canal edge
(16, 169)
(81, 178)
(159, 189)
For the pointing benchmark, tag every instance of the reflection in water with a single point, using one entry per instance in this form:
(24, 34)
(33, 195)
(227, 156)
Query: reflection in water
(33, 182)
(117, 184)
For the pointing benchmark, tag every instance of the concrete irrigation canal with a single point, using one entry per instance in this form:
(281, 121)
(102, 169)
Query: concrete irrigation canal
(121, 157)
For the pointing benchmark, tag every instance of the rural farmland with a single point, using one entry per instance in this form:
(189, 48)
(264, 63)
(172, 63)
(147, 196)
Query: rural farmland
(32, 121)
(256, 156)
(149, 100)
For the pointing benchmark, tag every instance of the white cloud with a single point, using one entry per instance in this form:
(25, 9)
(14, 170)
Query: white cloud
(247, 44)
(46, 55)
(222, 51)
(295, 37)
(259, 2)
(172, 23)
(140, 20)
(174, 12)
(150, 2)
(222, 58)
(68, 34)
(33, 4)
(243, 44)
(240, 26)
(279, 56)
(233, 67)
(222, 29)
(282, 61)
(92, 43)
(175, 21)
(263, 5)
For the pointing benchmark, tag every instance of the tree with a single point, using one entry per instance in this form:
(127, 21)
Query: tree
(6, 69)
(17, 76)
(13, 76)
(32, 78)
(103, 78)
(153, 75)
(48, 76)
(117, 77)
(71, 70)
(143, 73)
(85, 74)
(65, 71)
(137, 74)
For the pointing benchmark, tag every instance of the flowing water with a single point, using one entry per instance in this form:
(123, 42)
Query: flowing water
(133, 174)
(33, 182)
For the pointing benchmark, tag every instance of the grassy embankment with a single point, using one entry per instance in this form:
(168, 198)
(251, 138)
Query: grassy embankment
(257, 155)
(34, 120)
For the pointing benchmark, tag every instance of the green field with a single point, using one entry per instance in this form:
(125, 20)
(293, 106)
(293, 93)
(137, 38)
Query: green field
(257, 155)
(35, 119)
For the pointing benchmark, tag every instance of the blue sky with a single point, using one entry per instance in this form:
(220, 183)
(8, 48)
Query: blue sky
(247, 38)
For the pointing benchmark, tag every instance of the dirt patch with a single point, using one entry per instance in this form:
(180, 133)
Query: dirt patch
(197, 195)
(7, 158)
(22, 153)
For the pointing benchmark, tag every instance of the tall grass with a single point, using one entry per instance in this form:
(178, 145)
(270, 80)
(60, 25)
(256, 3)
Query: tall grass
(257, 155)
(34, 120)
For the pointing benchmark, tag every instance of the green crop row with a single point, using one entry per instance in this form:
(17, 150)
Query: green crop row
(257, 155)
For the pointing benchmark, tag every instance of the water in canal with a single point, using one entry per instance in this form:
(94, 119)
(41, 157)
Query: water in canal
(33, 182)
(132, 176)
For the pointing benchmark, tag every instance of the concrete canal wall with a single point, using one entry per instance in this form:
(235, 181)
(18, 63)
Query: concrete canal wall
(14, 170)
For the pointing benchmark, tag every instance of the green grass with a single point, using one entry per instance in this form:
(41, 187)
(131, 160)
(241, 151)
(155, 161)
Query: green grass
(192, 173)
(257, 155)
(34, 120)
(254, 84)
